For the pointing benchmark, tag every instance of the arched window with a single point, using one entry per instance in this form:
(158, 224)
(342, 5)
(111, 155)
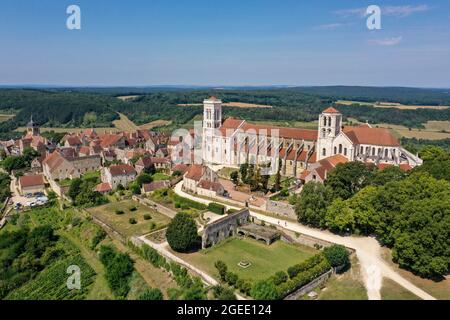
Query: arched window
(373, 151)
(340, 148)
(324, 152)
(335, 150)
(324, 133)
(362, 149)
(325, 121)
(345, 151)
(380, 151)
(386, 152)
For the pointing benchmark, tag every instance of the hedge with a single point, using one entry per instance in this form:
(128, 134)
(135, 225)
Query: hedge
(216, 208)
(305, 265)
(180, 201)
(303, 278)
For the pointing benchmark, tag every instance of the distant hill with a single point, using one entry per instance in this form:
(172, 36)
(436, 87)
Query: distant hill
(408, 96)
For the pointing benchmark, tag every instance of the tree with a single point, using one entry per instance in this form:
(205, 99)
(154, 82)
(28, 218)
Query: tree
(243, 169)
(389, 174)
(311, 205)
(280, 277)
(222, 269)
(339, 217)
(151, 294)
(235, 177)
(337, 256)
(348, 178)
(264, 290)
(182, 233)
(223, 293)
(75, 188)
(277, 184)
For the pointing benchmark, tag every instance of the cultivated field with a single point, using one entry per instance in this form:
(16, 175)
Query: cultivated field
(121, 222)
(265, 260)
(125, 124)
(5, 117)
(247, 105)
(231, 104)
(390, 105)
(154, 124)
(434, 130)
(127, 98)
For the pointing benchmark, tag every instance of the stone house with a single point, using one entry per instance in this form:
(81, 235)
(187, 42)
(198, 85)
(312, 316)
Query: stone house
(116, 175)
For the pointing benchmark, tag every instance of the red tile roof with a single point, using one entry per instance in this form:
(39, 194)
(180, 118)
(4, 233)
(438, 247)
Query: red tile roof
(74, 141)
(31, 181)
(287, 133)
(195, 172)
(122, 169)
(330, 110)
(210, 185)
(149, 187)
(85, 150)
(103, 187)
(371, 136)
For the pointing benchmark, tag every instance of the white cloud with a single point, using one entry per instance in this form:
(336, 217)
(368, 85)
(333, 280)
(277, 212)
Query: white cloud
(397, 11)
(386, 41)
(404, 11)
(330, 26)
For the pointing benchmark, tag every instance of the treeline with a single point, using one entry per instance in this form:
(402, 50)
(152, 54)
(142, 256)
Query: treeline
(409, 212)
(58, 108)
(409, 96)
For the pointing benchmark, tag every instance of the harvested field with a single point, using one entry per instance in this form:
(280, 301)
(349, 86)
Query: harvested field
(154, 124)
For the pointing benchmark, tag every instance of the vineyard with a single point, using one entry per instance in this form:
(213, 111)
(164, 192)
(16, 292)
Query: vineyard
(51, 283)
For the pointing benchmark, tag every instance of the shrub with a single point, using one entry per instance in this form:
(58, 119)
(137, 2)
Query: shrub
(244, 286)
(152, 226)
(147, 216)
(133, 208)
(151, 294)
(222, 269)
(132, 221)
(231, 278)
(182, 233)
(222, 293)
(119, 212)
(279, 278)
(188, 202)
(97, 238)
(264, 290)
(305, 265)
(230, 211)
(216, 208)
(119, 268)
(337, 256)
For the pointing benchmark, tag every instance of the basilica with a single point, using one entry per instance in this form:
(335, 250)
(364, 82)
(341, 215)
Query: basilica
(303, 153)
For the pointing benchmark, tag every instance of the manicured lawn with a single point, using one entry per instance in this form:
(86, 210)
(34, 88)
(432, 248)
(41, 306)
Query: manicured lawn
(120, 222)
(393, 291)
(265, 260)
(160, 176)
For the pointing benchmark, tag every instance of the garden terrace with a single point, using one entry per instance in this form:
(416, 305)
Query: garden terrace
(260, 233)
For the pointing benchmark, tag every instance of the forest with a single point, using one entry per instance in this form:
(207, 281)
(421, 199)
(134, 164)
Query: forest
(91, 108)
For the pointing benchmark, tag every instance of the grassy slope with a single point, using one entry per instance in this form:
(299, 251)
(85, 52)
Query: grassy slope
(265, 260)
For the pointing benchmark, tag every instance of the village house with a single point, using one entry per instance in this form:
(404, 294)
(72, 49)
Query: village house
(155, 185)
(118, 175)
(31, 184)
(60, 165)
(203, 181)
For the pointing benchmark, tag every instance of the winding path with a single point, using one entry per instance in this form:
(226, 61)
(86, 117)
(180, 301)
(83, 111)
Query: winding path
(367, 250)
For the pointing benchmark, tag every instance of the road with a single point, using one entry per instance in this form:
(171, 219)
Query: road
(368, 251)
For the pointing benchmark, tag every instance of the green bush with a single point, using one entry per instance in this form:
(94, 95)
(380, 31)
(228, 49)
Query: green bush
(188, 202)
(132, 221)
(182, 233)
(147, 216)
(223, 293)
(337, 256)
(264, 290)
(279, 278)
(222, 269)
(216, 208)
(133, 208)
(151, 294)
(119, 212)
(305, 265)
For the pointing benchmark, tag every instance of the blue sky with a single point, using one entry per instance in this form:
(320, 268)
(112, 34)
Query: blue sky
(232, 42)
